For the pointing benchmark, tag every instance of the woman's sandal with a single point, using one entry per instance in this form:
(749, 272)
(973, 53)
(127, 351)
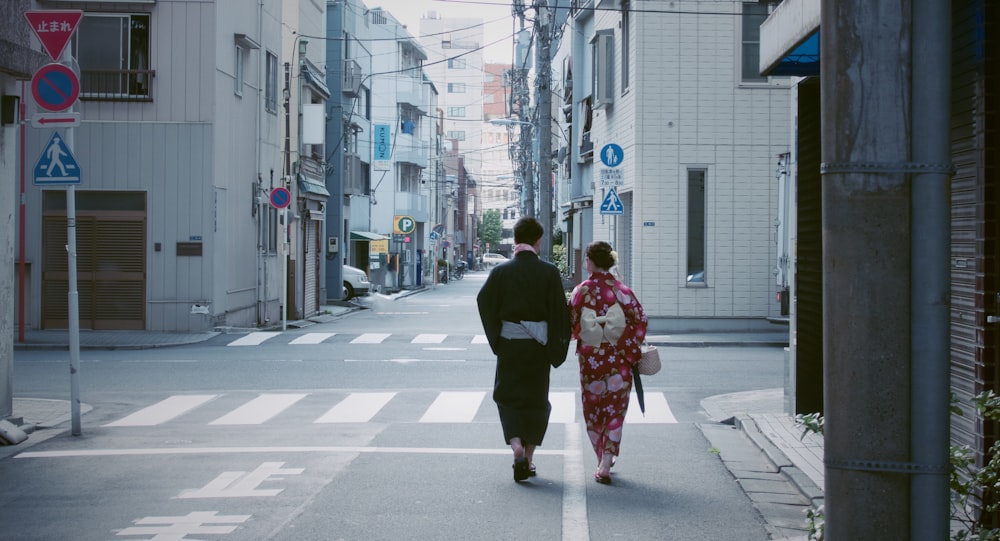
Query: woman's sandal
(521, 469)
(602, 479)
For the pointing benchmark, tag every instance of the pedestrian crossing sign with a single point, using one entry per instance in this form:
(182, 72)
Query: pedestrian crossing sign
(56, 165)
(612, 204)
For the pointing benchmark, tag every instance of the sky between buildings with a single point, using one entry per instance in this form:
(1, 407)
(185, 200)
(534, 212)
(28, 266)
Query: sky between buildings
(499, 22)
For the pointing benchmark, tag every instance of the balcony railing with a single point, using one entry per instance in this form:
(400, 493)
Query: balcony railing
(412, 91)
(117, 85)
(352, 78)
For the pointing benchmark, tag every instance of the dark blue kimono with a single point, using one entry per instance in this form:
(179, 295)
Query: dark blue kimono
(524, 289)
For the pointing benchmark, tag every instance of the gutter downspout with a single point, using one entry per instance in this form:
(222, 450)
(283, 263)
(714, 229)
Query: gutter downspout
(931, 275)
(257, 150)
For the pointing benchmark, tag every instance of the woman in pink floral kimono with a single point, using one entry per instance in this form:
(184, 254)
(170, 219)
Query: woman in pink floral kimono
(609, 325)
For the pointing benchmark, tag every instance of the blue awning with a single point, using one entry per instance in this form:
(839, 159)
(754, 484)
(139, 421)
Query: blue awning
(803, 61)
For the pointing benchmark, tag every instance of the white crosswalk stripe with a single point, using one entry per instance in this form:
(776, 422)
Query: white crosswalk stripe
(457, 407)
(429, 339)
(164, 411)
(371, 338)
(564, 407)
(454, 407)
(357, 408)
(254, 339)
(313, 338)
(259, 409)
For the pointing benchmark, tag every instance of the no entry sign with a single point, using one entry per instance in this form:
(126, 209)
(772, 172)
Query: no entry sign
(55, 87)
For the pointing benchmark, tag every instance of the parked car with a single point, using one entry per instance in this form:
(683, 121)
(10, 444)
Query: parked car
(490, 260)
(356, 283)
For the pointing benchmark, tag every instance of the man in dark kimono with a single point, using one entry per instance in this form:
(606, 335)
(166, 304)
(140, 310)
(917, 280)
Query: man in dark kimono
(526, 319)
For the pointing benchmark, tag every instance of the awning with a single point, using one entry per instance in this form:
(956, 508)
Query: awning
(789, 39)
(313, 186)
(367, 235)
(803, 61)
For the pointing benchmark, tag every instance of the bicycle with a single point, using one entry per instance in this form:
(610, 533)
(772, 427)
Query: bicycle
(459, 271)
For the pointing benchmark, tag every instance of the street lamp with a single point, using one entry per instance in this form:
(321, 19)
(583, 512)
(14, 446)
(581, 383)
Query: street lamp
(510, 122)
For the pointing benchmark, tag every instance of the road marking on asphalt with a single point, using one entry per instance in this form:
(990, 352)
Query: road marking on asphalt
(312, 338)
(164, 410)
(574, 501)
(429, 339)
(370, 338)
(356, 408)
(454, 407)
(563, 407)
(164, 451)
(259, 410)
(404, 361)
(241, 484)
(178, 527)
(657, 410)
(445, 349)
(480, 339)
(253, 339)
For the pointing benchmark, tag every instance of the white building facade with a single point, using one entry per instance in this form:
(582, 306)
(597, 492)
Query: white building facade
(699, 133)
(178, 149)
(404, 138)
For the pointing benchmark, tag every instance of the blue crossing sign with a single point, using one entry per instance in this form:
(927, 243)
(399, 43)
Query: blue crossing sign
(612, 204)
(56, 165)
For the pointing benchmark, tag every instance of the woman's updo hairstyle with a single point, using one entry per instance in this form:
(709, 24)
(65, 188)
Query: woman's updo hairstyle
(601, 254)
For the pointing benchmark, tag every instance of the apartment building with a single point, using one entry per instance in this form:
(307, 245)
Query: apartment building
(178, 150)
(666, 107)
(404, 136)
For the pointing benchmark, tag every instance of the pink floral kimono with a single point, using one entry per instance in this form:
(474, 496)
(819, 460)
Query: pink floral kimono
(609, 325)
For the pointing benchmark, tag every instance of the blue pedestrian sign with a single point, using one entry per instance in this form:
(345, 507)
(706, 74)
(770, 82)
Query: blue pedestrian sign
(56, 165)
(612, 204)
(612, 155)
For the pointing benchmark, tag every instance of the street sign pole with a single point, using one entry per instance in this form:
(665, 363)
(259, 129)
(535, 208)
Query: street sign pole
(284, 269)
(280, 199)
(74, 301)
(54, 28)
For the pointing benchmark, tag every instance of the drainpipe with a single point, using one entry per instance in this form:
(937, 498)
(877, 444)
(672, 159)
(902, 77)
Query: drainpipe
(930, 238)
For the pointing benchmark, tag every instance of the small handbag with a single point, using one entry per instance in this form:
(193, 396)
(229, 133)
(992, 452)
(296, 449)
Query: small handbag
(649, 364)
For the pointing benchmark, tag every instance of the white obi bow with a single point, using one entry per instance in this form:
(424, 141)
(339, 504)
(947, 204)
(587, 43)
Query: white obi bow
(595, 329)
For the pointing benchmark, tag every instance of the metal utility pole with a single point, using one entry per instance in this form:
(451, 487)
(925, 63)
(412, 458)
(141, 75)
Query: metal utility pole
(543, 100)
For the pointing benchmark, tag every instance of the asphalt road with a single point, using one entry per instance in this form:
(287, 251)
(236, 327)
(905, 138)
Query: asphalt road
(378, 425)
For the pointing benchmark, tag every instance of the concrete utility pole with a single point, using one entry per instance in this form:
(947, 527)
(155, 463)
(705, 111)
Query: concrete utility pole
(869, 177)
(519, 105)
(543, 100)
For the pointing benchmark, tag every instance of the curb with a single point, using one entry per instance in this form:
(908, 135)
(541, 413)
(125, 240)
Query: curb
(797, 477)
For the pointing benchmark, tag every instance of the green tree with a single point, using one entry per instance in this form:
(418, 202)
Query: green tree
(491, 228)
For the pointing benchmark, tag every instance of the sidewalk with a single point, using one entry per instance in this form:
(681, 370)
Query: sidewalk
(59, 339)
